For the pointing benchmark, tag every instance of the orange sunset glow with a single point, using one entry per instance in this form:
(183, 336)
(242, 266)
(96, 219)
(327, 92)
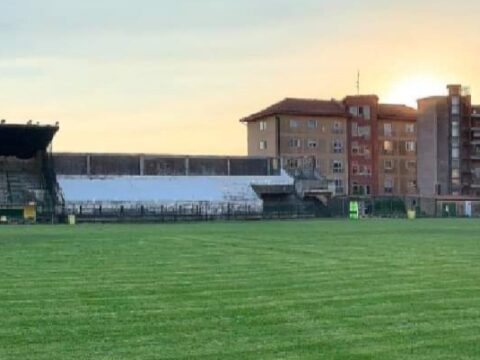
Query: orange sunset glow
(165, 79)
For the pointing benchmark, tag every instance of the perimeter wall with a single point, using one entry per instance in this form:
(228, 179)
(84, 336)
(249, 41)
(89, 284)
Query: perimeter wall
(96, 164)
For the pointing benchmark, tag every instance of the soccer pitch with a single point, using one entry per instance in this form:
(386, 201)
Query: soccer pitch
(327, 289)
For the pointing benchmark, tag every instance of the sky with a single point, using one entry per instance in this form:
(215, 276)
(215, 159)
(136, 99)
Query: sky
(174, 77)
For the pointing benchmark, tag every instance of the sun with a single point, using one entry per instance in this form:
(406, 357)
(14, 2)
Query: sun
(409, 90)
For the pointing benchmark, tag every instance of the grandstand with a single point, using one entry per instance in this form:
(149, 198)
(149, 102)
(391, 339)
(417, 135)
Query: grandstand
(116, 186)
(157, 195)
(27, 178)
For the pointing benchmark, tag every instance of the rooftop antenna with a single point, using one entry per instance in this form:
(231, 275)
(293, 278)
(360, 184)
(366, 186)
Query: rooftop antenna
(358, 82)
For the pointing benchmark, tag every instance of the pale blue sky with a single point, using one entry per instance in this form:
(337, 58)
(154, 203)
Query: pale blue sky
(151, 69)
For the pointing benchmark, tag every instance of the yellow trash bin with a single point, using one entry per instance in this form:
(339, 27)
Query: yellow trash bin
(411, 214)
(71, 220)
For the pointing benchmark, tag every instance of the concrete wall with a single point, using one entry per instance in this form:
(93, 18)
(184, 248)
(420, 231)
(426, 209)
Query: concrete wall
(162, 165)
(71, 164)
(432, 146)
(114, 165)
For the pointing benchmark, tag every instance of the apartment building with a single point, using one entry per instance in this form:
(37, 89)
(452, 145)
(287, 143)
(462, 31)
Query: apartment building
(397, 150)
(382, 142)
(341, 140)
(309, 136)
(449, 144)
(362, 144)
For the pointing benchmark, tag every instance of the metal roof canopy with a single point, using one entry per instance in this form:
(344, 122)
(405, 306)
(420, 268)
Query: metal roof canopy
(24, 141)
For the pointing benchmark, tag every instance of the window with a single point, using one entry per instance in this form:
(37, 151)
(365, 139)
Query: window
(412, 184)
(388, 164)
(388, 185)
(294, 124)
(455, 151)
(410, 146)
(387, 129)
(365, 170)
(312, 144)
(312, 124)
(263, 145)
(411, 165)
(355, 170)
(355, 148)
(337, 147)
(364, 111)
(263, 125)
(354, 129)
(455, 173)
(455, 129)
(339, 186)
(410, 128)
(337, 166)
(455, 105)
(337, 127)
(360, 111)
(295, 143)
(364, 131)
(293, 163)
(388, 147)
(356, 189)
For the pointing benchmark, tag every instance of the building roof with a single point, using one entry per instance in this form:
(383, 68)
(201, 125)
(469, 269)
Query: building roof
(313, 107)
(306, 107)
(433, 98)
(396, 112)
(356, 98)
(476, 109)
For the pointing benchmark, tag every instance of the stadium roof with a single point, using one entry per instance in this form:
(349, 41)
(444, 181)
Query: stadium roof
(24, 141)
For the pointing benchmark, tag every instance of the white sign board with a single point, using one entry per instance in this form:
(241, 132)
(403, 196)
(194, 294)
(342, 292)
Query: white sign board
(468, 208)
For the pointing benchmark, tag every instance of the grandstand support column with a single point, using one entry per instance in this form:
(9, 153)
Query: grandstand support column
(88, 164)
(228, 166)
(187, 166)
(142, 165)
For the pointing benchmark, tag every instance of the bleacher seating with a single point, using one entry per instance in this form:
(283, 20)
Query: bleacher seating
(3, 188)
(218, 192)
(21, 181)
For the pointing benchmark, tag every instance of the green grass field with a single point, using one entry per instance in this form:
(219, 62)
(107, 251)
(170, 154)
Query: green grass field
(378, 289)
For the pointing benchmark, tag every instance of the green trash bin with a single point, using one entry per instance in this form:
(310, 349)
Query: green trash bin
(354, 210)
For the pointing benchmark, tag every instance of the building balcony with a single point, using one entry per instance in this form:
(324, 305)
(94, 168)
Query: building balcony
(475, 182)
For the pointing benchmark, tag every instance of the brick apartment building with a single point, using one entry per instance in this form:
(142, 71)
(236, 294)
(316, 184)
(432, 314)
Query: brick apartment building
(449, 145)
(307, 135)
(364, 147)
